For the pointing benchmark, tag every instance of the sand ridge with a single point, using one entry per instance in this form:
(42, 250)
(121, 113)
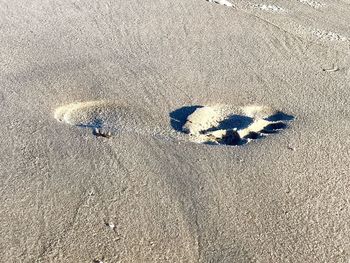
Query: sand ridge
(298, 29)
(221, 2)
(269, 8)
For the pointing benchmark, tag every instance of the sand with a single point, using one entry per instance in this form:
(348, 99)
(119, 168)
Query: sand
(150, 193)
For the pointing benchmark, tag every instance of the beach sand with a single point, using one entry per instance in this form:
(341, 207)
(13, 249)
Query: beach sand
(74, 71)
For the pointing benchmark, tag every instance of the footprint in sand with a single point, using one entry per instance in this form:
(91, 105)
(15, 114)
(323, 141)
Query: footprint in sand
(102, 117)
(205, 124)
(228, 125)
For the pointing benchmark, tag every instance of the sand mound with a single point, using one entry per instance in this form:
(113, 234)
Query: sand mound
(102, 117)
(203, 118)
(79, 112)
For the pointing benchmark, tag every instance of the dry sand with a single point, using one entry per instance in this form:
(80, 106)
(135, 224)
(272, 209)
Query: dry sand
(149, 193)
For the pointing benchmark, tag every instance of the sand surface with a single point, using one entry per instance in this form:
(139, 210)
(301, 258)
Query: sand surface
(150, 193)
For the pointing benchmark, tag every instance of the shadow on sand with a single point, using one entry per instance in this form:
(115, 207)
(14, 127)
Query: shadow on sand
(178, 117)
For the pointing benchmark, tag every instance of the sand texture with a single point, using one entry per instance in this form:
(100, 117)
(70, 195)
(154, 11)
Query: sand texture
(175, 131)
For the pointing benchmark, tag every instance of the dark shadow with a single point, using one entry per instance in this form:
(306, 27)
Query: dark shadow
(232, 122)
(274, 127)
(98, 123)
(280, 116)
(178, 117)
(95, 124)
(211, 143)
(232, 138)
(254, 136)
